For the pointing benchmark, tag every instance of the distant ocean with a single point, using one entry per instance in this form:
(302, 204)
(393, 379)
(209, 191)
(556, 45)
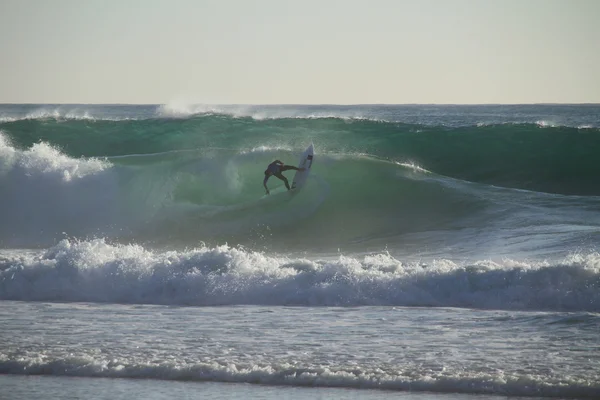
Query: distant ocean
(436, 251)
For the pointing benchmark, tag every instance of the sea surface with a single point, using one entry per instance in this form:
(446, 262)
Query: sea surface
(435, 252)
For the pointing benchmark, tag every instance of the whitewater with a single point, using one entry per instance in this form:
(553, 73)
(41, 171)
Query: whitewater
(435, 251)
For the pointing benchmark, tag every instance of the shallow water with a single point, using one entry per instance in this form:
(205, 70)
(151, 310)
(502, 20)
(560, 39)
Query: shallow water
(444, 350)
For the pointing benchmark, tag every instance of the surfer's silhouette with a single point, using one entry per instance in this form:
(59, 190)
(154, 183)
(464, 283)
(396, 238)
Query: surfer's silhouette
(275, 169)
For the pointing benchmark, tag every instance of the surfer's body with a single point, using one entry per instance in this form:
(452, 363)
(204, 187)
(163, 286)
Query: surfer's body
(275, 169)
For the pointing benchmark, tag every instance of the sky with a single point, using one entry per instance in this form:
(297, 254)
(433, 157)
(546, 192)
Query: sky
(300, 52)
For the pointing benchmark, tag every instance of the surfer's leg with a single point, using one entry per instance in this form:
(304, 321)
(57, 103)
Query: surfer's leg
(288, 167)
(284, 179)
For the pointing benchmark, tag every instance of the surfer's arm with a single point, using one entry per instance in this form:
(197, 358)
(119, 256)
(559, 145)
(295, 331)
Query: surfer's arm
(278, 162)
(265, 184)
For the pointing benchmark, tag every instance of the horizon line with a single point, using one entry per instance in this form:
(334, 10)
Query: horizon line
(310, 104)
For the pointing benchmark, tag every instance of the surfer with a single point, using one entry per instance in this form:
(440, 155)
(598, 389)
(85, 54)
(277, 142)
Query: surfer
(275, 169)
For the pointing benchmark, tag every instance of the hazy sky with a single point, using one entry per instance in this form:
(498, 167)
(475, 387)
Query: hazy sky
(301, 51)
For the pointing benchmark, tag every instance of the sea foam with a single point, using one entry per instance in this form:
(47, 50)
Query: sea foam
(396, 379)
(96, 271)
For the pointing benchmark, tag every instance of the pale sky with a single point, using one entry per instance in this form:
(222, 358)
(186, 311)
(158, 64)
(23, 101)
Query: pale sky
(300, 51)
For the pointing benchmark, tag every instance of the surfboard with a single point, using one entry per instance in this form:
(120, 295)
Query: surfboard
(306, 161)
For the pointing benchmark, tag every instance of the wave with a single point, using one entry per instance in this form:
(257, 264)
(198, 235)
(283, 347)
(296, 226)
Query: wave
(96, 271)
(571, 116)
(538, 156)
(174, 110)
(215, 195)
(429, 115)
(45, 192)
(61, 113)
(259, 113)
(45, 159)
(415, 379)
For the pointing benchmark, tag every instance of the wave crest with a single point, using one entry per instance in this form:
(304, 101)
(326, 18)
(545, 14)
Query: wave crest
(45, 159)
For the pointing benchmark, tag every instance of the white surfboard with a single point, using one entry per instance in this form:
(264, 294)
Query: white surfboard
(305, 162)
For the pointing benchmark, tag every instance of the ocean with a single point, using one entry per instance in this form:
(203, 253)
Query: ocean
(435, 252)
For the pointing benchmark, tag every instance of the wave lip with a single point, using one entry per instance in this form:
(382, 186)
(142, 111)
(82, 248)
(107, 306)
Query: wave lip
(399, 379)
(95, 271)
(44, 159)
